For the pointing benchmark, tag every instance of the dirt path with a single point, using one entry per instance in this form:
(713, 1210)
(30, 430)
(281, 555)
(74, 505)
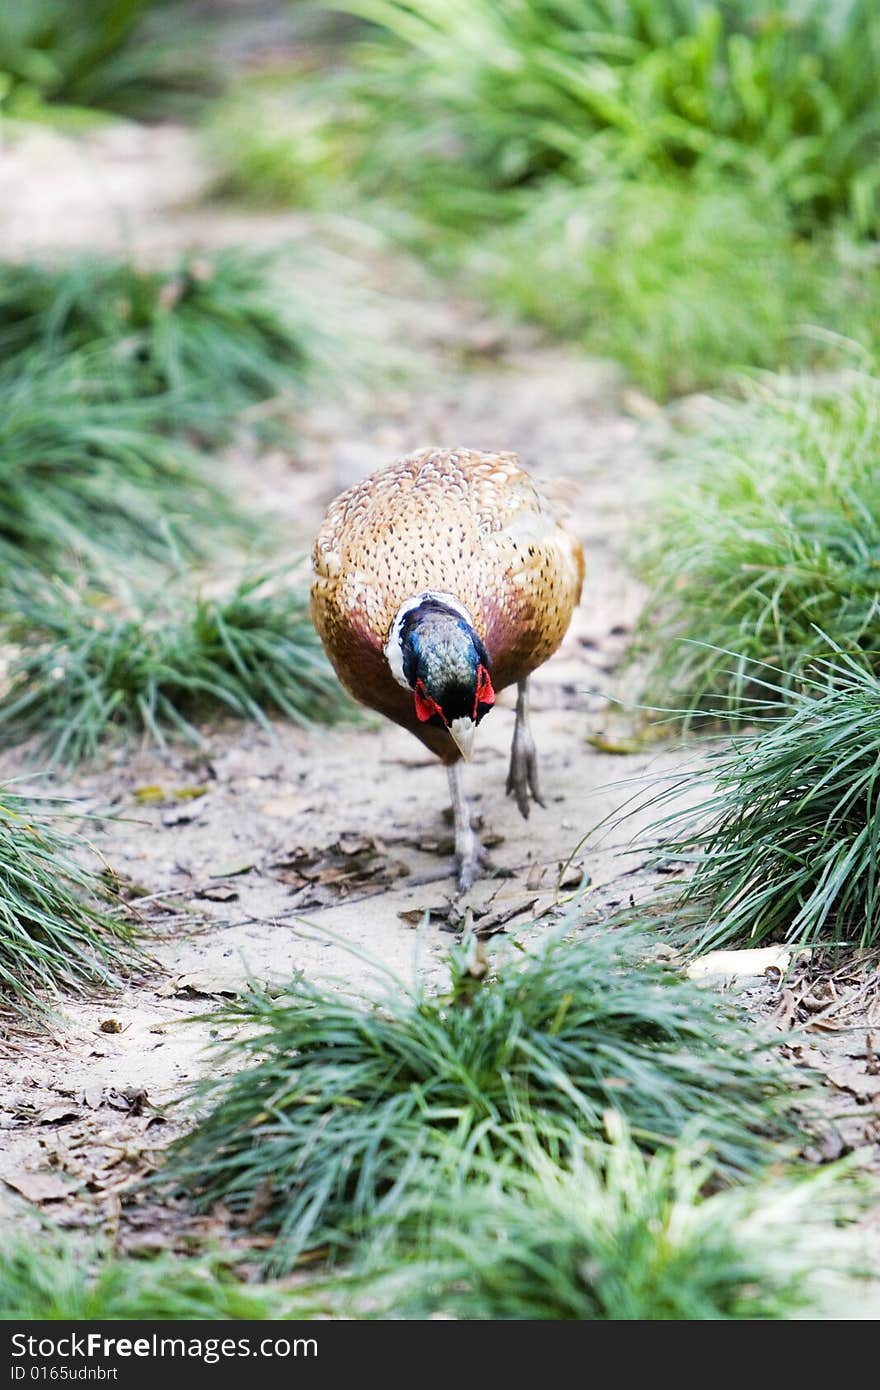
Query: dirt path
(298, 846)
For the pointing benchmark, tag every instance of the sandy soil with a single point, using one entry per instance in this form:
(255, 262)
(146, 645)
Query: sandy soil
(300, 846)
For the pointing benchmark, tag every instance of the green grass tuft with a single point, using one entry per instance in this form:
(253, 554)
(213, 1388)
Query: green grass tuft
(611, 1234)
(679, 186)
(115, 55)
(84, 476)
(469, 98)
(787, 843)
(58, 929)
(87, 666)
(775, 515)
(207, 338)
(52, 1278)
(679, 284)
(337, 1105)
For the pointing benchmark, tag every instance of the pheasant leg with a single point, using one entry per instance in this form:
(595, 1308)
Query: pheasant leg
(468, 851)
(522, 778)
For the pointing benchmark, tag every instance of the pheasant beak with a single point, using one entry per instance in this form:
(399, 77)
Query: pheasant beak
(463, 730)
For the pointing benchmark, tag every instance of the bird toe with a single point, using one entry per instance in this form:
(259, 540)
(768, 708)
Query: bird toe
(522, 777)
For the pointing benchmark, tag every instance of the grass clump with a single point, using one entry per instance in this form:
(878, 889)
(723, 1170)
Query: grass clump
(612, 1234)
(113, 55)
(787, 843)
(51, 1278)
(680, 285)
(84, 476)
(87, 666)
(58, 929)
(207, 338)
(776, 518)
(336, 1106)
(476, 97)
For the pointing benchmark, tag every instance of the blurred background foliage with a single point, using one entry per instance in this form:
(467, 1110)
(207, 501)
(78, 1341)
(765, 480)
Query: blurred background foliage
(131, 57)
(502, 95)
(693, 182)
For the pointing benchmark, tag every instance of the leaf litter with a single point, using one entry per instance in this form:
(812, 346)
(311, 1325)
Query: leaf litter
(353, 865)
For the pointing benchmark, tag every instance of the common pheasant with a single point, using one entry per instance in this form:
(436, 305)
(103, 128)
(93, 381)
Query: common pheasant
(439, 580)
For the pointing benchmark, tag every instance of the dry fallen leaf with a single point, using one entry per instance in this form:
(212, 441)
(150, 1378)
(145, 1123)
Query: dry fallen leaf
(217, 893)
(196, 987)
(491, 923)
(131, 1099)
(478, 961)
(415, 916)
(58, 1114)
(40, 1187)
(574, 876)
(148, 796)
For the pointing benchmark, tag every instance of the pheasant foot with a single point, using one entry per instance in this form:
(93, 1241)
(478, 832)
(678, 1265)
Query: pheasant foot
(522, 778)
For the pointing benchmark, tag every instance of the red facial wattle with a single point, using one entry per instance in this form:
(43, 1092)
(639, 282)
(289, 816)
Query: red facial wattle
(485, 694)
(426, 708)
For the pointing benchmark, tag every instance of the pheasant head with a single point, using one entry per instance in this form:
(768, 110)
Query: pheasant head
(435, 652)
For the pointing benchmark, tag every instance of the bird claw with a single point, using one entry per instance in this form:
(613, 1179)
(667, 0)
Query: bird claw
(522, 778)
(469, 870)
(470, 859)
